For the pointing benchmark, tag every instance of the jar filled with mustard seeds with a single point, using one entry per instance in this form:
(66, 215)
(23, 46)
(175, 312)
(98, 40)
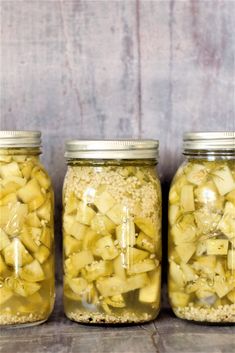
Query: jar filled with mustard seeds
(202, 230)
(112, 232)
(26, 231)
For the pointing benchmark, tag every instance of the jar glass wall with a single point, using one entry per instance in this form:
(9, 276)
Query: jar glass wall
(112, 240)
(26, 231)
(202, 230)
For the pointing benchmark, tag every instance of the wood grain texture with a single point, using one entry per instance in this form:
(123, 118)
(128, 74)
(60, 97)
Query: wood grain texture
(112, 69)
(167, 334)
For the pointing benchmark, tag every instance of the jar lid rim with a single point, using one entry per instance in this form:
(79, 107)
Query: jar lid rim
(212, 140)
(112, 149)
(19, 138)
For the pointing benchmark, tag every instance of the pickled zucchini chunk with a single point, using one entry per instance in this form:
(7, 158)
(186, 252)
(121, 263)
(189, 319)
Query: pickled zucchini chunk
(231, 259)
(133, 255)
(217, 246)
(85, 213)
(78, 285)
(78, 289)
(69, 268)
(105, 307)
(173, 195)
(32, 220)
(97, 269)
(185, 251)
(70, 295)
(111, 286)
(91, 295)
(9, 199)
(231, 296)
(151, 292)
(179, 299)
(48, 269)
(206, 220)
(188, 272)
(4, 240)
(223, 180)
(46, 237)
(74, 228)
(177, 275)
(9, 169)
(145, 242)
(206, 297)
(32, 272)
(227, 222)
(118, 213)
(5, 159)
(89, 239)
(125, 234)
(231, 196)
(104, 202)
(116, 301)
(32, 195)
(27, 169)
(220, 267)
(197, 174)
(101, 224)
(35, 299)
(15, 217)
(143, 266)
(4, 215)
(30, 237)
(3, 267)
(42, 254)
(24, 288)
(184, 231)
(72, 245)
(222, 287)
(200, 284)
(201, 248)
(146, 226)
(17, 181)
(174, 213)
(187, 198)
(45, 212)
(205, 264)
(19, 159)
(72, 204)
(180, 181)
(16, 254)
(174, 256)
(207, 193)
(81, 259)
(119, 265)
(5, 295)
(105, 248)
(42, 179)
(137, 281)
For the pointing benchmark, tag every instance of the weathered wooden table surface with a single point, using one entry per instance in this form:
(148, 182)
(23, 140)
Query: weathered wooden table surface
(166, 335)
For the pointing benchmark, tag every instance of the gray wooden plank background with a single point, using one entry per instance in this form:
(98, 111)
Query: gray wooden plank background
(112, 69)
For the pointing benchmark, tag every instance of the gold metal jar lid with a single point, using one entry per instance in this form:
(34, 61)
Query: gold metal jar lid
(17, 138)
(209, 141)
(112, 149)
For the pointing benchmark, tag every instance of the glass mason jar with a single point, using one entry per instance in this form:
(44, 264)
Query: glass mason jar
(26, 231)
(112, 232)
(202, 230)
